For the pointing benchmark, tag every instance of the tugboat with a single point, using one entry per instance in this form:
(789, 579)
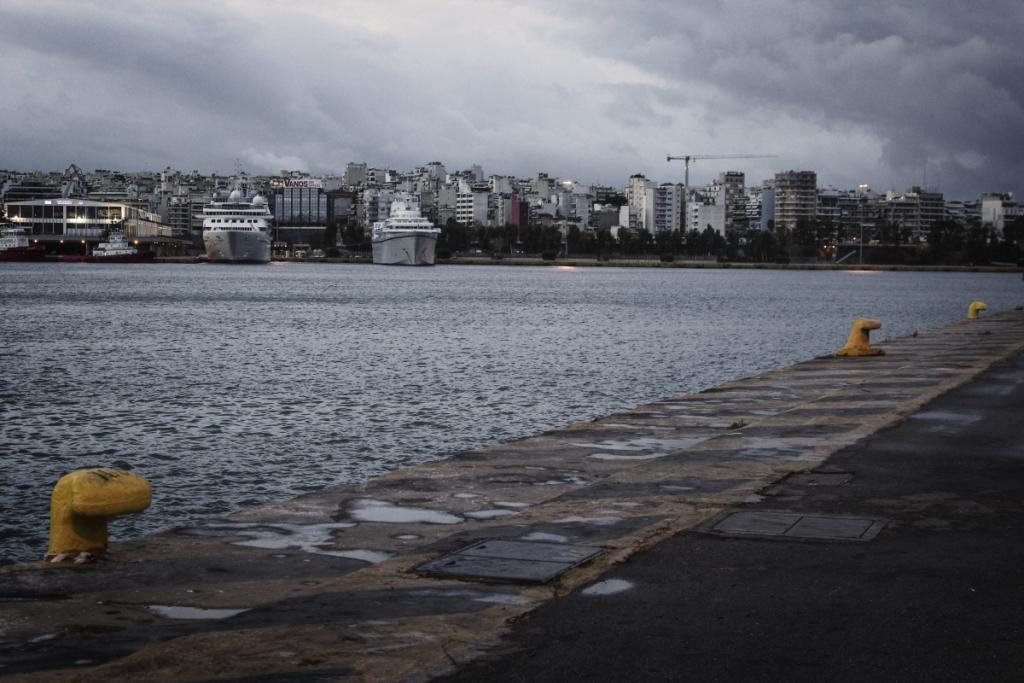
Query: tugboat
(117, 249)
(14, 246)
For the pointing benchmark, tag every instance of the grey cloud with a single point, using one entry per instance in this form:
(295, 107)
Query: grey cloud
(197, 85)
(934, 81)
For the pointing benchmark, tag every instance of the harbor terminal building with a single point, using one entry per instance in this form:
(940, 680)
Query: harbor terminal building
(69, 225)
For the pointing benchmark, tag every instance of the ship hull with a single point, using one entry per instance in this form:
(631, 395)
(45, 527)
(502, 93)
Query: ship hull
(23, 254)
(405, 249)
(147, 257)
(226, 246)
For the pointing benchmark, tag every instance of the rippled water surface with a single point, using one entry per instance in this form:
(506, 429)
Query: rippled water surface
(231, 386)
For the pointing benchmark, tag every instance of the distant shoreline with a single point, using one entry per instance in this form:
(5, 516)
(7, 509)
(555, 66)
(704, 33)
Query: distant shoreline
(654, 263)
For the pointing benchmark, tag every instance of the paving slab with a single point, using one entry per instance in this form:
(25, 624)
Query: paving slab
(935, 595)
(325, 585)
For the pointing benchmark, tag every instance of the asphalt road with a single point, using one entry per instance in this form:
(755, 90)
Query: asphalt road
(938, 595)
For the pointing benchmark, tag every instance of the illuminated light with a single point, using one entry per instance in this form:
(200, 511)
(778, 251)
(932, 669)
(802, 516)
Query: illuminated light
(565, 268)
(62, 241)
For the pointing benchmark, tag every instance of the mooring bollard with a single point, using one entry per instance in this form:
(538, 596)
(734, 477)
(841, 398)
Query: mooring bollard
(859, 342)
(80, 506)
(975, 309)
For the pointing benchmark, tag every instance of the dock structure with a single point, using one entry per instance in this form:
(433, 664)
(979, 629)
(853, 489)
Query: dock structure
(413, 573)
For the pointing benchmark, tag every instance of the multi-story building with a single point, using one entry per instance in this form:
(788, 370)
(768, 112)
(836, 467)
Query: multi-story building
(796, 197)
(355, 175)
(375, 205)
(996, 207)
(472, 204)
(73, 224)
(668, 208)
(300, 212)
(640, 198)
(703, 214)
(300, 201)
(733, 182)
(759, 207)
(914, 211)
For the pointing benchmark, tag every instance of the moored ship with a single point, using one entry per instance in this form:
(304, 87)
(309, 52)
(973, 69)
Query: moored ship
(15, 246)
(117, 249)
(406, 238)
(237, 231)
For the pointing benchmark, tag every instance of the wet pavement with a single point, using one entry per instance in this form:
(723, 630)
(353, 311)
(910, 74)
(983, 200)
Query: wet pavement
(935, 595)
(766, 526)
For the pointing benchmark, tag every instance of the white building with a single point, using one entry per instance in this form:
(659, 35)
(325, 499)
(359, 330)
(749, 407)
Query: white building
(640, 198)
(668, 208)
(471, 205)
(997, 207)
(704, 214)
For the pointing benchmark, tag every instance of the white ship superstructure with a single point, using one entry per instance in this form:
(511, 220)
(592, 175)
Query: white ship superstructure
(237, 231)
(406, 238)
(115, 246)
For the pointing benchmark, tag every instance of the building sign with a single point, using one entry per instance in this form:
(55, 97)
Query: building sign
(313, 183)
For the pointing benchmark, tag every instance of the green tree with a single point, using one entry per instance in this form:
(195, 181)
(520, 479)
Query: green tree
(805, 238)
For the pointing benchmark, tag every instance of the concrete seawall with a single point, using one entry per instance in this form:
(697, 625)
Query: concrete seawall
(325, 586)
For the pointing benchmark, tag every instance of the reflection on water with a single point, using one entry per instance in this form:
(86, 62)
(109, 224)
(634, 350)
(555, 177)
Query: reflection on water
(232, 386)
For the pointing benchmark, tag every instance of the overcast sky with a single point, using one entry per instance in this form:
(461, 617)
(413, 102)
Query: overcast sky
(881, 92)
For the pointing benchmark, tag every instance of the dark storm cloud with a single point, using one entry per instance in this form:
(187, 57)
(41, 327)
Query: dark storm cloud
(939, 84)
(870, 92)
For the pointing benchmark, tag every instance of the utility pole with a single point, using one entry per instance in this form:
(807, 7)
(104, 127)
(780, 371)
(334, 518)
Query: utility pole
(686, 159)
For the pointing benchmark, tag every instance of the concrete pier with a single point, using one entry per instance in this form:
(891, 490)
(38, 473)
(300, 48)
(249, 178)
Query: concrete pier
(338, 584)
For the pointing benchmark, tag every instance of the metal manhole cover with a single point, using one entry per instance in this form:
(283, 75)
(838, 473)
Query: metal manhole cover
(795, 525)
(519, 561)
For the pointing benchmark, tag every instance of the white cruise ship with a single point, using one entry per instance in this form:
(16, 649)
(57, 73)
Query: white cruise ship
(237, 231)
(406, 238)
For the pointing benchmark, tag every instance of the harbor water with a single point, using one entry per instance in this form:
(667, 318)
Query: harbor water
(231, 386)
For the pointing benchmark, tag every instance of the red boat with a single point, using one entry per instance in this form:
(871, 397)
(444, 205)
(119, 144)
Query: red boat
(14, 246)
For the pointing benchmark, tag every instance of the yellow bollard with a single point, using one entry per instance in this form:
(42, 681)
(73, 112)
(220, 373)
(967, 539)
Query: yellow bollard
(81, 503)
(859, 343)
(975, 309)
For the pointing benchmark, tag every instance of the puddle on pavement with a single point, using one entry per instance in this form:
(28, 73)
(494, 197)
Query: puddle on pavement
(490, 514)
(367, 510)
(541, 536)
(623, 456)
(305, 537)
(475, 596)
(370, 556)
(609, 587)
(179, 612)
(642, 444)
(596, 521)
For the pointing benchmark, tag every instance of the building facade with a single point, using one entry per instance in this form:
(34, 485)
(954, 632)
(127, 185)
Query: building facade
(796, 197)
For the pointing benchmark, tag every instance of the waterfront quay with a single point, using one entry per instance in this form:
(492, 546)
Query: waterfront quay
(419, 572)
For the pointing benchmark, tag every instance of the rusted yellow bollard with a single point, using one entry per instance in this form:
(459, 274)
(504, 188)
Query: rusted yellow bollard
(859, 343)
(81, 503)
(975, 309)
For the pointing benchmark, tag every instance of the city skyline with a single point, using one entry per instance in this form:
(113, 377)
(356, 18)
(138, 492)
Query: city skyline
(889, 95)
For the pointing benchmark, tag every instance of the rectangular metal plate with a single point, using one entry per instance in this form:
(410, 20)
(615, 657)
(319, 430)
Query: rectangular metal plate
(518, 561)
(530, 550)
(795, 525)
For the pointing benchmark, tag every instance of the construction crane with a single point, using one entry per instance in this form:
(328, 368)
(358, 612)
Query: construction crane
(694, 157)
(686, 159)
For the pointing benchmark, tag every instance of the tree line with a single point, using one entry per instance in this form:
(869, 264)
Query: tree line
(947, 242)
